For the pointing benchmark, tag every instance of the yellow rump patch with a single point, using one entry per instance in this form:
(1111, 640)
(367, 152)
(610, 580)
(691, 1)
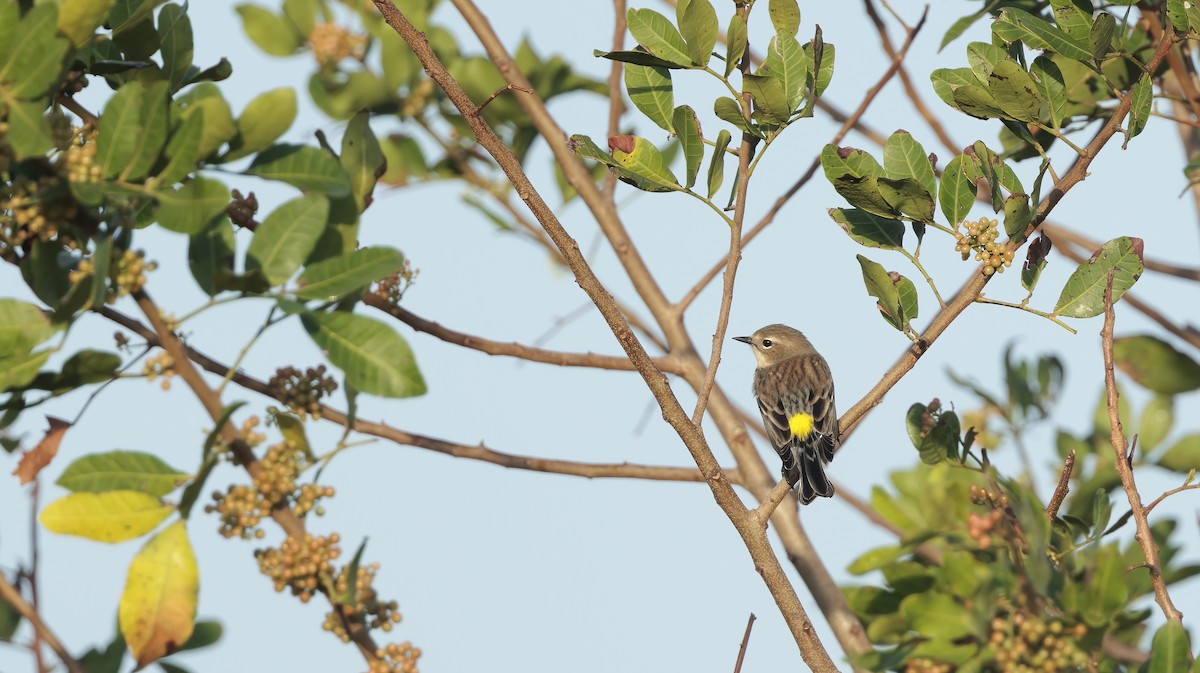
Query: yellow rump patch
(801, 424)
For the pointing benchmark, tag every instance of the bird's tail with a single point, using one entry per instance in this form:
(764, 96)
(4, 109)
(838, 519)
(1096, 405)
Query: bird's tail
(811, 476)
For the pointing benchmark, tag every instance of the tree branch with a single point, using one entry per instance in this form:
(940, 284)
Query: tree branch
(743, 520)
(211, 401)
(384, 431)
(11, 595)
(616, 100)
(1064, 485)
(1125, 467)
(974, 286)
(666, 364)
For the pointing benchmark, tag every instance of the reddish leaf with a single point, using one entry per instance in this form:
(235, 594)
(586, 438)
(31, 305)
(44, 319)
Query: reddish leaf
(40, 456)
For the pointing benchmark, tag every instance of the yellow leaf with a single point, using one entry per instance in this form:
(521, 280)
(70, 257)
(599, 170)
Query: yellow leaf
(158, 607)
(114, 516)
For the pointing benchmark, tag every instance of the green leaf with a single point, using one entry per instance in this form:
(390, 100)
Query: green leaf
(1139, 109)
(270, 31)
(1050, 87)
(264, 120)
(956, 193)
(337, 277)
(698, 23)
(1074, 17)
(375, 359)
(175, 44)
(1183, 456)
(149, 142)
(35, 53)
(84, 367)
(854, 174)
(1017, 216)
(1101, 510)
(1157, 418)
(1177, 15)
(879, 285)
(982, 57)
(785, 16)
(655, 32)
(211, 254)
(1104, 28)
(964, 574)
(1170, 651)
(937, 616)
(787, 63)
(120, 127)
(1035, 262)
(959, 27)
(303, 167)
(977, 102)
(1083, 295)
(644, 163)
(770, 100)
(17, 370)
(877, 558)
(735, 43)
(638, 57)
(728, 110)
(903, 157)
(28, 133)
(121, 471)
(1107, 590)
(79, 19)
(1016, 25)
(687, 128)
(362, 159)
(22, 327)
(206, 633)
(218, 126)
(287, 236)
(112, 516)
(908, 299)
(183, 149)
(907, 196)
(869, 230)
(192, 207)
(1013, 89)
(716, 167)
(824, 68)
(1155, 364)
(651, 92)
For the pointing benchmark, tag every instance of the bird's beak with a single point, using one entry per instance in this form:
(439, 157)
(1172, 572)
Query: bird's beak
(744, 340)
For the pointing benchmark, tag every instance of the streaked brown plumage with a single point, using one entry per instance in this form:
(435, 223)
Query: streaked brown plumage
(794, 390)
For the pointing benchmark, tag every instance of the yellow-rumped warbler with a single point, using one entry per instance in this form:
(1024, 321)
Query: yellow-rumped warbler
(794, 391)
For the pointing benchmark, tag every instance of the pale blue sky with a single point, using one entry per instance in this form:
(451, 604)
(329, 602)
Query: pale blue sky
(505, 570)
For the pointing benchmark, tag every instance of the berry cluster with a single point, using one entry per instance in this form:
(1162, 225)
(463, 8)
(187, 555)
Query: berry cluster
(394, 658)
(162, 365)
(79, 161)
(367, 610)
(302, 392)
(980, 526)
(300, 565)
(391, 289)
(332, 43)
(981, 237)
(128, 273)
(241, 508)
(924, 665)
(1029, 642)
(27, 213)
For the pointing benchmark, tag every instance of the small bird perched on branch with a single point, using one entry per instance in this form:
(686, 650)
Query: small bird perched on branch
(794, 390)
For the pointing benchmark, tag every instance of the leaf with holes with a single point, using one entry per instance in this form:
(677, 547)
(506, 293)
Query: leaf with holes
(1083, 295)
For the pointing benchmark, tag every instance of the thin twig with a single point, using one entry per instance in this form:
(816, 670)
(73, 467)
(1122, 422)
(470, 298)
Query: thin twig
(1125, 470)
(35, 552)
(616, 99)
(848, 123)
(478, 452)
(510, 87)
(1164, 496)
(9, 594)
(737, 668)
(666, 364)
(287, 520)
(754, 537)
(975, 284)
(910, 89)
(1064, 485)
(1186, 332)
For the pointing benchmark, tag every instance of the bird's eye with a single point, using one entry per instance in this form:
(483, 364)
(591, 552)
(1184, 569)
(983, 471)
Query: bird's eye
(767, 343)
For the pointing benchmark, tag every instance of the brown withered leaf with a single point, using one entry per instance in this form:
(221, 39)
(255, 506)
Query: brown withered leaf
(40, 456)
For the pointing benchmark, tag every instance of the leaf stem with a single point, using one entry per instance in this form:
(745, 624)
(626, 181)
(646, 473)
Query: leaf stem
(1049, 316)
